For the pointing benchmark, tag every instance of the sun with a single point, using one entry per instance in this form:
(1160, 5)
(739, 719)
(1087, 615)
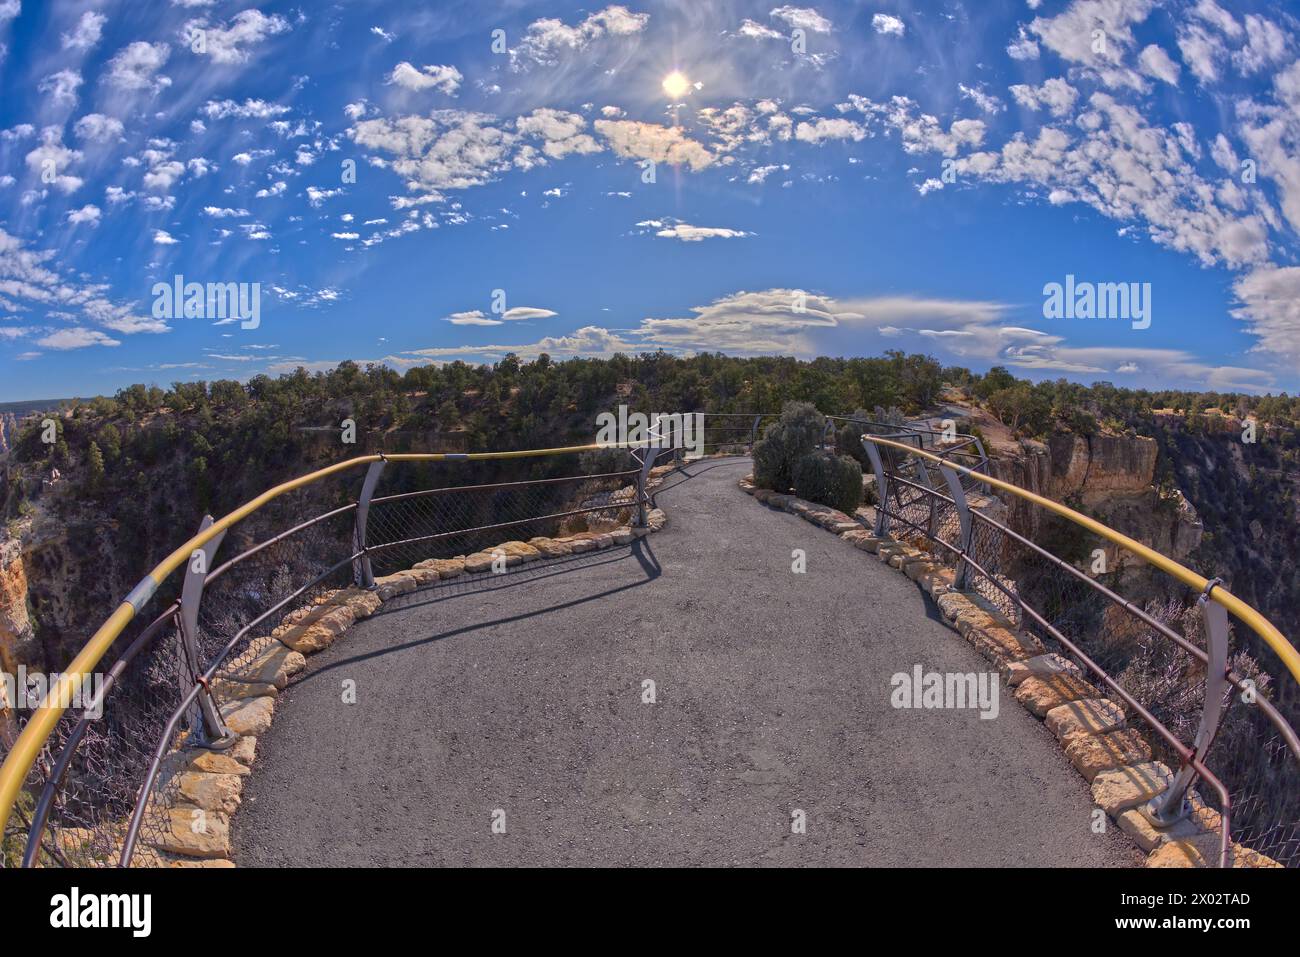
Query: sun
(676, 84)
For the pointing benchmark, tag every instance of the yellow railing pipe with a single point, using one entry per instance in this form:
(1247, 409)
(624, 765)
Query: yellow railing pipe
(1245, 613)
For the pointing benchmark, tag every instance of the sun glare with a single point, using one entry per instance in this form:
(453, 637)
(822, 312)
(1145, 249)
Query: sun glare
(676, 84)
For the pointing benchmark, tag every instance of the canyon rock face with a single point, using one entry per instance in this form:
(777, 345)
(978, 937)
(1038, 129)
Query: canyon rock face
(1110, 478)
(8, 431)
(16, 638)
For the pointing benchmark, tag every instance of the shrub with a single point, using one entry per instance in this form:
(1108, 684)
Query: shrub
(834, 480)
(848, 440)
(784, 443)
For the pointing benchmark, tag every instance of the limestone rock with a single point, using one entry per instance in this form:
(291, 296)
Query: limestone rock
(915, 570)
(275, 664)
(360, 601)
(953, 604)
(212, 792)
(1039, 666)
(445, 567)
(520, 550)
(249, 715)
(313, 629)
(1086, 716)
(1041, 695)
(1002, 646)
(1094, 753)
(193, 832)
(1123, 788)
(227, 689)
(1148, 837)
(621, 535)
(244, 750)
(1204, 851)
(213, 762)
(551, 548)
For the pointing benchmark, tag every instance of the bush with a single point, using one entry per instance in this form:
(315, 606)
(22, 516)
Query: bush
(848, 440)
(834, 480)
(784, 443)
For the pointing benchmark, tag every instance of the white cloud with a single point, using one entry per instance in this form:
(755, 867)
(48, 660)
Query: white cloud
(1155, 62)
(135, 67)
(1269, 300)
(661, 144)
(444, 79)
(77, 337)
(1266, 45)
(685, 232)
(1097, 35)
(562, 132)
(87, 214)
(62, 86)
(1056, 95)
(382, 34)
(476, 317)
(86, 33)
(1023, 47)
(163, 238)
(249, 109)
(823, 128)
(546, 40)
(1202, 52)
(883, 23)
(802, 18)
(759, 31)
(987, 102)
(225, 44)
(53, 158)
(98, 128)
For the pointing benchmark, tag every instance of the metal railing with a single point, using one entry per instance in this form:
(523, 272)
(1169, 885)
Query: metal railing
(98, 785)
(1214, 723)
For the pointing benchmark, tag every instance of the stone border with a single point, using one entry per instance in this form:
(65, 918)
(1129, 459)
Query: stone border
(1115, 759)
(209, 784)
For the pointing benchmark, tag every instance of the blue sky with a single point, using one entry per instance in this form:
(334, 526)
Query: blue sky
(836, 179)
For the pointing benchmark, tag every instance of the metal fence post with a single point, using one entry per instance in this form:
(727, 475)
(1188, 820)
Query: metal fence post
(642, 480)
(1172, 806)
(362, 574)
(753, 432)
(207, 729)
(963, 516)
(882, 488)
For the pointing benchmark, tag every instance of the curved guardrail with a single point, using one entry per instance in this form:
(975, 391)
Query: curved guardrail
(96, 773)
(1256, 784)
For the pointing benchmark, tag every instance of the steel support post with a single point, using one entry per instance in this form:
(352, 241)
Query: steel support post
(642, 480)
(882, 488)
(207, 729)
(963, 516)
(1172, 805)
(362, 574)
